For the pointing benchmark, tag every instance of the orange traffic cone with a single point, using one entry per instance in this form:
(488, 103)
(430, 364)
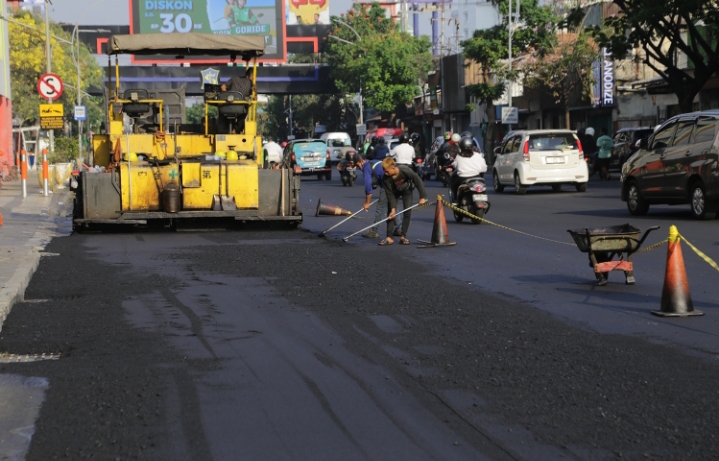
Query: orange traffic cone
(440, 235)
(0, 219)
(331, 210)
(676, 300)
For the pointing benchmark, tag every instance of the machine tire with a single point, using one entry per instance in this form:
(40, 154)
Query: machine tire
(557, 187)
(328, 176)
(458, 217)
(701, 208)
(350, 182)
(319, 177)
(519, 189)
(635, 203)
(498, 187)
(581, 187)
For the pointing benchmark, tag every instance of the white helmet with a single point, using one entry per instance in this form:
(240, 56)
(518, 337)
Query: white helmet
(456, 138)
(589, 131)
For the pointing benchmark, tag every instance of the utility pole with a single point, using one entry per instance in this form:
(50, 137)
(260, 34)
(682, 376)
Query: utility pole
(292, 131)
(441, 31)
(48, 58)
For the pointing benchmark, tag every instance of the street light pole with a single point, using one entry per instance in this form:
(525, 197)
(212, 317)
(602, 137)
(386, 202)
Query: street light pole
(48, 58)
(359, 38)
(76, 36)
(511, 32)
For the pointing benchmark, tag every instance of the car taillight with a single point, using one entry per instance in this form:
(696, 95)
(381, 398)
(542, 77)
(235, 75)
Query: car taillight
(328, 155)
(581, 151)
(525, 152)
(419, 160)
(293, 158)
(479, 188)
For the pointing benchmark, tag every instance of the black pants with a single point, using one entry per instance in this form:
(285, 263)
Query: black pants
(454, 183)
(407, 201)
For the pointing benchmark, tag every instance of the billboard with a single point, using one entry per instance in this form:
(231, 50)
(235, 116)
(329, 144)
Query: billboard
(218, 17)
(308, 12)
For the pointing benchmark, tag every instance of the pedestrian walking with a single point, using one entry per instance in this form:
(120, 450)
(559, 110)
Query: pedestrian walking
(605, 144)
(400, 181)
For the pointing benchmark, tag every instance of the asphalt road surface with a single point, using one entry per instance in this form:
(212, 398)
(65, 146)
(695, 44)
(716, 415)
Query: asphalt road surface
(278, 345)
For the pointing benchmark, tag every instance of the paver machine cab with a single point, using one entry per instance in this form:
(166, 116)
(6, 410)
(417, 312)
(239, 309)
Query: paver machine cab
(206, 171)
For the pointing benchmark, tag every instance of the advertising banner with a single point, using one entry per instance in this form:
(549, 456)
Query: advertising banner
(308, 12)
(603, 73)
(219, 17)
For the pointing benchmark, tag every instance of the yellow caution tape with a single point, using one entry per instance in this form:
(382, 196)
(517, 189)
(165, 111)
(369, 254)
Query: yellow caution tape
(706, 258)
(651, 247)
(470, 215)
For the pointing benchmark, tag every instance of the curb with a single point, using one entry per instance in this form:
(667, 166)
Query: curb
(14, 292)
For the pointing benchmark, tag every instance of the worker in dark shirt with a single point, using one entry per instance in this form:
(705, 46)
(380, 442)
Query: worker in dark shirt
(240, 82)
(373, 175)
(400, 181)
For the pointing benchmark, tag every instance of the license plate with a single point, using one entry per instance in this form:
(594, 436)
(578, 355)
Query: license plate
(479, 197)
(554, 160)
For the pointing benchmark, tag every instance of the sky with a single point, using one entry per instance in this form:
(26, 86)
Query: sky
(116, 12)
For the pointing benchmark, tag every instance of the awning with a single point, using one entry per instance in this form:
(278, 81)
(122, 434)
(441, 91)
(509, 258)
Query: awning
(189, 44)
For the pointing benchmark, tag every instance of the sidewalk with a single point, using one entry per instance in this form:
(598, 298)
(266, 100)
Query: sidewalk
(27, 226)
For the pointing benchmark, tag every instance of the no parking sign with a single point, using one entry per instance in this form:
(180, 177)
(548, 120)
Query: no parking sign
(50, 86)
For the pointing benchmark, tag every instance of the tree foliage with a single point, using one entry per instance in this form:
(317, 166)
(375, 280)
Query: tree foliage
(564, 70)
(490, 49)
(28, 63)
(661, 29)
(386, 64)
(196, 113)
(332, 111)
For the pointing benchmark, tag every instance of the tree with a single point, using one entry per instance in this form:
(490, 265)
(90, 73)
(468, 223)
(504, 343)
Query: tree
(490, 49)
(196, 113)
(564, 70)
(336, 113)
(27, 64)
(387, 65)
(662, 29)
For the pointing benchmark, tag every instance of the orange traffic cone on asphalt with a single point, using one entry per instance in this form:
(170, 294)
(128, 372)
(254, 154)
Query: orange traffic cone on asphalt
(676, 300)
(325, 209)
(440, 235)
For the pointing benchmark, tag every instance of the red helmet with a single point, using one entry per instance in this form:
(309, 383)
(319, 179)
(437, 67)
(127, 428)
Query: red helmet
(284, 144)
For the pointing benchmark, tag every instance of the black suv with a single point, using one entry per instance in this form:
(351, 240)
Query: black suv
(625, 144)
(676, 165)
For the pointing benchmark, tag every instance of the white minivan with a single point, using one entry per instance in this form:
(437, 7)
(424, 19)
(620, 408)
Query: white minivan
(337, 143)
(540, 157)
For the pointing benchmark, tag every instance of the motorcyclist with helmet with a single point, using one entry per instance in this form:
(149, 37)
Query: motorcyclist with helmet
(403, 153)
(370, 148)
(467, 164)
(381, 149)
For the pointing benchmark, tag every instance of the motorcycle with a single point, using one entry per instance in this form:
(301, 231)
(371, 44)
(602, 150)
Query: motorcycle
(419, 167)
(348, 175)
(444, 169)
(472, 198)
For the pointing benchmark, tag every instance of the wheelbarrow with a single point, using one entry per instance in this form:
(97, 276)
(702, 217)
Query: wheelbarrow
(606, 243)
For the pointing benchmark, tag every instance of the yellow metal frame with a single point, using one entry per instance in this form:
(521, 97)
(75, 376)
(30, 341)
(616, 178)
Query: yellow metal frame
(252, 103)
(139, 101)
